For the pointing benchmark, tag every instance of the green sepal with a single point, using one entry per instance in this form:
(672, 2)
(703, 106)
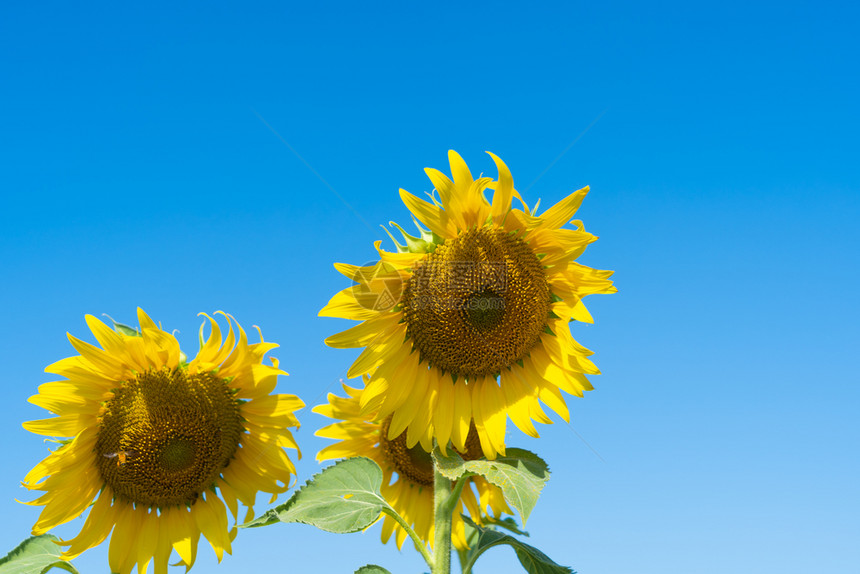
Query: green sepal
(35, 555)
(432, 196)
(400, 248)
(372, 569)
(123, 329)
(344, 497)
(60, 441)
(520, 474)
(481, 539)
(413, 244)
(425, 242)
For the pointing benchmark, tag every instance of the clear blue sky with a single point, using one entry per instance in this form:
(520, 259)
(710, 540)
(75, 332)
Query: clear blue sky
(723, 161)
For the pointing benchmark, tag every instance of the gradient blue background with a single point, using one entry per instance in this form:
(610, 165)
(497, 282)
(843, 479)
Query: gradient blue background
(135, 170)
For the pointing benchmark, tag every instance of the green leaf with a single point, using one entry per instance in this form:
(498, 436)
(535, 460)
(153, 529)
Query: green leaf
(533, 560)
(36, 555)
(508, 524)
(342, 498)
(520, 474)
(372, 569)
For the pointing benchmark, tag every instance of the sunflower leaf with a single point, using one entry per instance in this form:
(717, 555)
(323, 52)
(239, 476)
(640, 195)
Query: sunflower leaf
(533, 560)
(372, 569)
(36, 555)
(342, 498)
(507, 523)
(520, 474)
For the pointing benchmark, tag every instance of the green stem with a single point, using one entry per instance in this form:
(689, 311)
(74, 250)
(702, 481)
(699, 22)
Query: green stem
(467, 567)
(456, 491)
(419, 544)
(443, 510)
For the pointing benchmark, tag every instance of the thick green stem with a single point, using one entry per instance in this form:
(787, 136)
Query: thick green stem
(443, 510)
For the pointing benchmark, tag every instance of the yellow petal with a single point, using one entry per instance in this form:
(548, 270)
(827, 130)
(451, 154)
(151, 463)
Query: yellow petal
(120, 554)
(434, 218)
(69, 502)
(551, 397)
(459, 170)
(365, 333)
(404, 416)
(551, 369)
(74, 391)
(65, 404)
(444, 186)
(273, 406)
(399, 261)
(344, 305)
(443, 417)
(462, 413)
(563, 211)
(518, 400)
(66, 425)
(103, 362)
(147, 541)
(72, 458)
(418, 426)
(98, 525)
(162, 550)
(109, 339)
(504, 191)
(480, 425)
(162, 347)
(387, 528)
(493, 408)
(80, 370)
(391, 382)
(372, 356)
(230, 498)
(184, 534)
(526, 378)
(211, 519)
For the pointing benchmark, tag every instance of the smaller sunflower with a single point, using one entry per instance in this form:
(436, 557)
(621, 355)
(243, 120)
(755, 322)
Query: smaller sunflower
(160, 447)
(407, 482)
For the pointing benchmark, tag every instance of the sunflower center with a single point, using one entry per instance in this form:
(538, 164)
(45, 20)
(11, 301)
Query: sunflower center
(478, 303)
(416, 464)
(165, 436)
(485, 310)
(178, 454)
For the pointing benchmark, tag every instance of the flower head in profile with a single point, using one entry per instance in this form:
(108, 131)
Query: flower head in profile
(160, 447)
(407, 473)
(469, 321)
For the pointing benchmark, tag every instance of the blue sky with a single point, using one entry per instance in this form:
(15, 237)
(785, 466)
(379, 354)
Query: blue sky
(720, 144)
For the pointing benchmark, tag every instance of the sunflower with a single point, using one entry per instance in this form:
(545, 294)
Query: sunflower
(407, 481)
(156, 440)
(470, 320)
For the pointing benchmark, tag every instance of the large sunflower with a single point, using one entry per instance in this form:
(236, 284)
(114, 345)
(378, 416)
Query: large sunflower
(469, 321)
(407, 482)
(157, 440)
